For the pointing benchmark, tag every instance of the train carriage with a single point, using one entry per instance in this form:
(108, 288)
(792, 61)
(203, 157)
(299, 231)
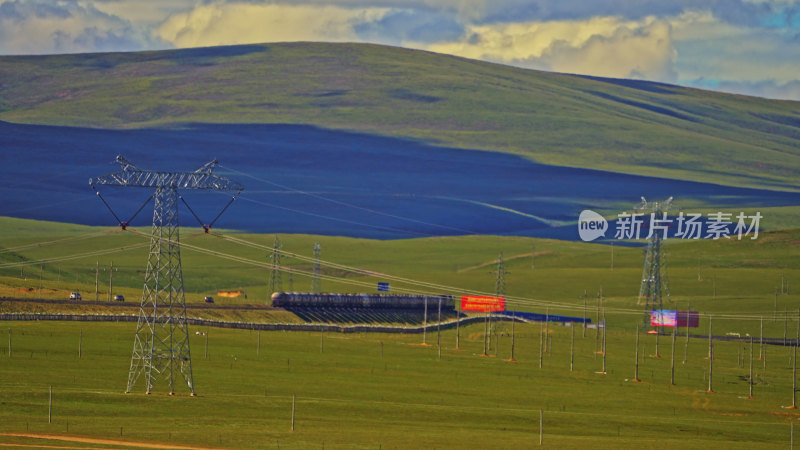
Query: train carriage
(361, 301)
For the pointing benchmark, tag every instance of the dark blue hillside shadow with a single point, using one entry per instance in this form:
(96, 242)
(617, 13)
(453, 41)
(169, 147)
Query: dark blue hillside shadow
(303, 179)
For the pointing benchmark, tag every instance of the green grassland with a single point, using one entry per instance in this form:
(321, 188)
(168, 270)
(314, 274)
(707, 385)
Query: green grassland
(616, 125)
(349, 396)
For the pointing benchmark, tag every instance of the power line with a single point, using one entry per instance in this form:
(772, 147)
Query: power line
(73, 256)
(336, 219)
(350, 205)
(415, 283)
(440, 287)
(54, 242)
(416, 286)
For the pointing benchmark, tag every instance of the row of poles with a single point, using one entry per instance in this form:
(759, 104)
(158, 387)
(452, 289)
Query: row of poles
(544, 331)
(111, 269)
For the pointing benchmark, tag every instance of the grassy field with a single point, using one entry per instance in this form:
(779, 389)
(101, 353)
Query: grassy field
(616, 125)
(353, 396)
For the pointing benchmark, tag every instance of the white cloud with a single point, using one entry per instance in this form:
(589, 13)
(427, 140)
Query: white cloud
(716, 55)
(143, 13)
(243, 23)
(64, 26)
(602, 46)
(768, 89)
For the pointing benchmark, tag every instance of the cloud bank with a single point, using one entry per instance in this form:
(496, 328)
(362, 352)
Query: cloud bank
(243, 23)
(601, 46)
(41, 26)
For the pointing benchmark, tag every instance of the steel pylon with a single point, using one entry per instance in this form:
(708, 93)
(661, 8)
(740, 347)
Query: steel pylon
(161, 349)
(500, 281)
(161, 346)
(316, 285)
(654, 269)
(275, 280)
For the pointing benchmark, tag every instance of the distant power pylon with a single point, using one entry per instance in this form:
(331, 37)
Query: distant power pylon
(316, 284)
(275, 282)
(654, 270)
(161, 346)
(500, 281)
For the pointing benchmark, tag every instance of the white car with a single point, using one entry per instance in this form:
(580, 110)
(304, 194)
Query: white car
(75, 296)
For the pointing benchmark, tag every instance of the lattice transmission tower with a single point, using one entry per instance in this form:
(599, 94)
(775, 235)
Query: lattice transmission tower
(275, 280)
(654, 270)
(500, 281)
(161, 345)
(316, 284)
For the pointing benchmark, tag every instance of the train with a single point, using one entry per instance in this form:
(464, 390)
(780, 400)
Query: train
(362, 301)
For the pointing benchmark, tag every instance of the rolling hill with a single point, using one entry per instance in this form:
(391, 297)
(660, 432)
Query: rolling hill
(625, 126)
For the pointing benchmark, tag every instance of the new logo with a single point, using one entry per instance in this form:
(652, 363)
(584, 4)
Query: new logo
(591, 225)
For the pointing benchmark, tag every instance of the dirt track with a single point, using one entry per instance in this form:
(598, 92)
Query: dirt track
(85, 440)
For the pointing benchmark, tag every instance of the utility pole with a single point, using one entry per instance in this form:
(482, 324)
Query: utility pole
(636, 363)
(605, 333)
(96, 280)
(794, 364)
(291, 278)
(584, 313)
(672, 365)
(439, 327)
(110, 280)
(711, 357)
(750, 395)
(699, 276)
(775, 309)
(425, 324)
(513, 323)
(714, 285)
(612, 256)
(761, 341)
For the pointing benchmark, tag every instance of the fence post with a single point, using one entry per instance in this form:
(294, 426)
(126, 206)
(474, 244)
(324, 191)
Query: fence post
(293, 402)
(541, 427)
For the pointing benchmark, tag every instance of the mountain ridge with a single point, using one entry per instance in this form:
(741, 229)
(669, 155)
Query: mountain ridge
(626, 126)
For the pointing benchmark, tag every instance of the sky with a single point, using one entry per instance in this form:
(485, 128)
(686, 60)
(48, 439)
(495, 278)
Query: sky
(748, 47)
